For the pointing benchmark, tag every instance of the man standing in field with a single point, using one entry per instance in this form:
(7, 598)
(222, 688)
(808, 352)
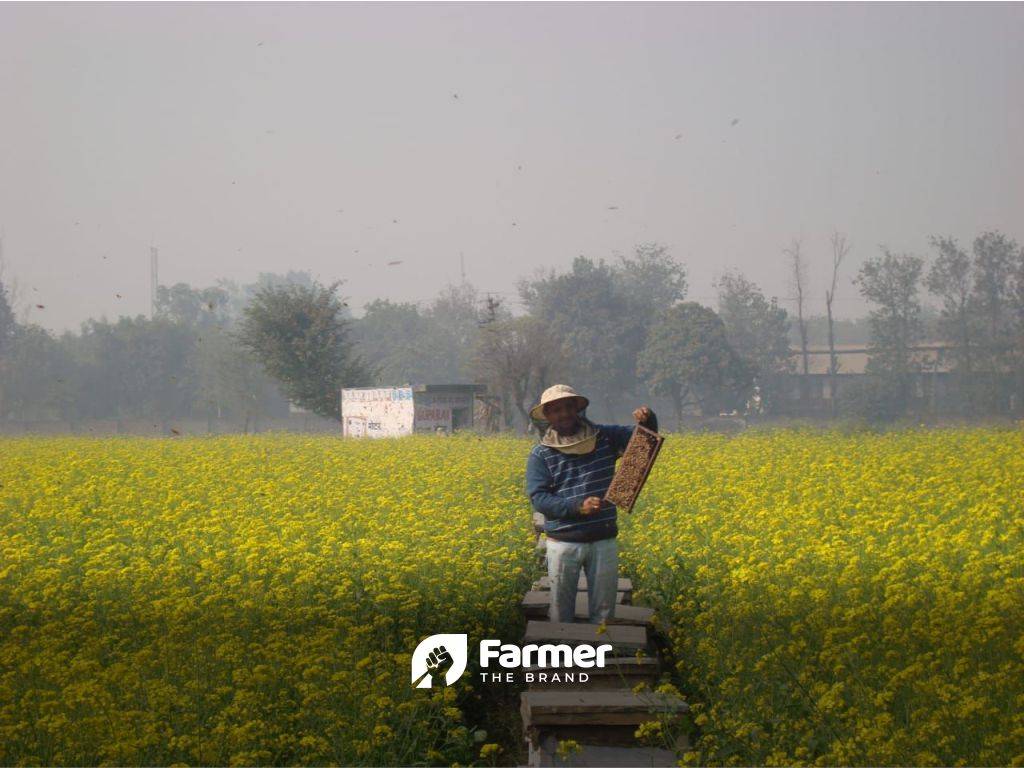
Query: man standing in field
(567, 475)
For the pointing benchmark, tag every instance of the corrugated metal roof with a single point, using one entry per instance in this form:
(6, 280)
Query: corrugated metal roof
(429, 387)
(449, 387)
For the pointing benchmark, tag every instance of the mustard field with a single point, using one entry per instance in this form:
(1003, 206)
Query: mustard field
(832, 599)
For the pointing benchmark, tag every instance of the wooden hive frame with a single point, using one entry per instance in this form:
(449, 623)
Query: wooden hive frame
(634, 468)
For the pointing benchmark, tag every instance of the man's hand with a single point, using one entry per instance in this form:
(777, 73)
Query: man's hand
(590, 505)
(642, 413)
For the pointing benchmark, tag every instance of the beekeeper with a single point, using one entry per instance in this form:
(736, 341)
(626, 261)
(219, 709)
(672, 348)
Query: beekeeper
(567, 475)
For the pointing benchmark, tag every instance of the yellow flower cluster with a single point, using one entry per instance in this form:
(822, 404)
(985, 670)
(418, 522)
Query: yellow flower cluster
(831, 599)
(249, 601)
(841, 599)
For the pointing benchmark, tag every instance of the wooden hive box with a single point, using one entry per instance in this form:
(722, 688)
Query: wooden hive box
(535, 606)
(624, 638)
(543, 751)
(619, 673)
(634, 467)
(625, 586)
(596, 718)
(621, 707)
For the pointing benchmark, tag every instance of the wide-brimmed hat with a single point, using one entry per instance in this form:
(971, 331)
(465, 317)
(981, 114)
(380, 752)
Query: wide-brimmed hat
(556, 392)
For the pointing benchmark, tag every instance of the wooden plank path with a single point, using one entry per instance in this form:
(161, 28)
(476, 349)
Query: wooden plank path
(602, 713)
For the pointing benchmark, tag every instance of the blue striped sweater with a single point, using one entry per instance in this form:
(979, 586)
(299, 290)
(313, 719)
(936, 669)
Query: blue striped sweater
(557, 483)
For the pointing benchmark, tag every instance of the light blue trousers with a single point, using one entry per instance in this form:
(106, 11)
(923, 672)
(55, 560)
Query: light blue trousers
(600, 561)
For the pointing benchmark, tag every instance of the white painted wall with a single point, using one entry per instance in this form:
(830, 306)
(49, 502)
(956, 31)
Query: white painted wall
(377, 412)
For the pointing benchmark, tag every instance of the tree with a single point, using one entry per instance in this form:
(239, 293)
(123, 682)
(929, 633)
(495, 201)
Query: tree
(300, 337)
(586, 310)
(160, 380)
(402, 344)
(229, 382)
(994, 260)
(232, 383)
(951, 279)
(651, 279)
(688, 359)
(1017, 346)
(757, 330)
(517, 358)
(392, 339)
(602, 313)
(8, 328)
(840, 249)
(199, 308)
(798, 271)
(648, 281)
(136, 367)
(239, 296)
(891, 282)
(32, 376)
(451, 333)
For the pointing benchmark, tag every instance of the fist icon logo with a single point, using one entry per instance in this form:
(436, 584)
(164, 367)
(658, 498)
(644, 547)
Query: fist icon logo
(440, 658)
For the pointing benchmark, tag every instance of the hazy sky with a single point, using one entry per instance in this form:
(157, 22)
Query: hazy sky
(335, 138)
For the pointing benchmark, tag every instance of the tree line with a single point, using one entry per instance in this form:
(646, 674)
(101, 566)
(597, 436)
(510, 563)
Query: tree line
(620, 330)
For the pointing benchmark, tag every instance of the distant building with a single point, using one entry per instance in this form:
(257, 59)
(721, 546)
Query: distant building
(813, 394)
(397, 411)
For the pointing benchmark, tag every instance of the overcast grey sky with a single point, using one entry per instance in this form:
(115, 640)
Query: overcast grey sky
(242, 138)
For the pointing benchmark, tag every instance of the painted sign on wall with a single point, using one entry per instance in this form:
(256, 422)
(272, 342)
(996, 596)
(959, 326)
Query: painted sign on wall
(438, 409)
(377, 412)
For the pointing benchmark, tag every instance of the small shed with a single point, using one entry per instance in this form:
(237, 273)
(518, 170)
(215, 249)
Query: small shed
(397, 411)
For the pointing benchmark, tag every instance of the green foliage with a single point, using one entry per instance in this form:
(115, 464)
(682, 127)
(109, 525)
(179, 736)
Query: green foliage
(689, 359)
(873, 398)
(995, 261)
(32, 374)
(651, 279)
(757, 329)
(200, 308)
(583, 310)
(891, 282)
(391, 337)
(7, 321)
(239, 296)
(982, 316)
(134, 368)
(402, 345)
(232, 383)
(300, 337)
(8, 327)
(452, 322)
(602, 313)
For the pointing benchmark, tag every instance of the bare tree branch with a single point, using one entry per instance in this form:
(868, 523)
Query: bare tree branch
(840, 248)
